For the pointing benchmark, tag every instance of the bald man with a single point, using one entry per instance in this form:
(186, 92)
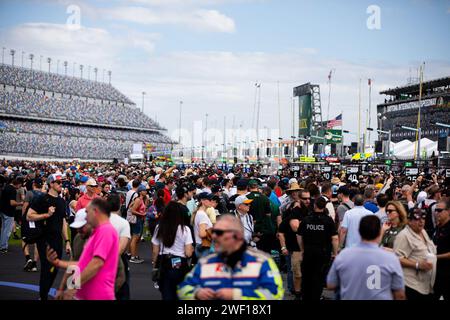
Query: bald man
(231, 262)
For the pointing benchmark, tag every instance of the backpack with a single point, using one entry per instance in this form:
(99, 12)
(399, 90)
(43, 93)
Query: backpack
(131, 218)
(429, 220)
(152, 212)
(32, 230)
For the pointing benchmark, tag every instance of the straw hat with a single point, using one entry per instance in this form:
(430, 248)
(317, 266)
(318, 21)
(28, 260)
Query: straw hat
(294, 187)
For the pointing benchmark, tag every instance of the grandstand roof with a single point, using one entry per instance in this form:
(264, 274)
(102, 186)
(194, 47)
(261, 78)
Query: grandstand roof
(415, 88)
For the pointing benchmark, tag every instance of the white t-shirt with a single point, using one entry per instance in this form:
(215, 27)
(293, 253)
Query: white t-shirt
(128, 197)
(182, 238)
(121, 225)
(200, 218)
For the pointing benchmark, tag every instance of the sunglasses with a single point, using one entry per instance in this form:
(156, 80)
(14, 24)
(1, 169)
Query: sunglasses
(391, 210)
(439, 209)
(58, 182)
(220, 232)
(306, 199)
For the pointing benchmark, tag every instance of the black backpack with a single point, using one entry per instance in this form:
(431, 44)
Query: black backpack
(429, 225)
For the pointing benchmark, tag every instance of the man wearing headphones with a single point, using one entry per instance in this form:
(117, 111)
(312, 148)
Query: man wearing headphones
(232, 262)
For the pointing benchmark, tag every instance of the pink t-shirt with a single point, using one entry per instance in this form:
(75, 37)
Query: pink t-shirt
(103, 243)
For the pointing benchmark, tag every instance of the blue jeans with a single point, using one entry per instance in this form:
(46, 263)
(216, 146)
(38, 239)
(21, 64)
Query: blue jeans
(7, 223)
(290, 275)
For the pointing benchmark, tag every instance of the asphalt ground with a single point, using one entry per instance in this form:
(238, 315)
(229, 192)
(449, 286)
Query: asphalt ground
(17, 284)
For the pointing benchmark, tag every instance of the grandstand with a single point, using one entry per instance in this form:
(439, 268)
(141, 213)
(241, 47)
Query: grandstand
(401, 106)
(46, 115)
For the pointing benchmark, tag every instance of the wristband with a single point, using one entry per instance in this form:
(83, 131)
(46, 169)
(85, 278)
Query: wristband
(417, 266)
(283, 248)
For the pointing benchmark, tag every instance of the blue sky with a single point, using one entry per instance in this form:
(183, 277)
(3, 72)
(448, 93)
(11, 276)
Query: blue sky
(209, 53)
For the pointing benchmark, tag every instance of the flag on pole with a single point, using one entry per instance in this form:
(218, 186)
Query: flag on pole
(329, 75)
(370, 82)
(336, 122)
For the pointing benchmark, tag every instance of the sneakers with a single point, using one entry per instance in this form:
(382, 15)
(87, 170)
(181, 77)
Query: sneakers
(3, 250)
(28, 265)
(136, 260)
(34, 267)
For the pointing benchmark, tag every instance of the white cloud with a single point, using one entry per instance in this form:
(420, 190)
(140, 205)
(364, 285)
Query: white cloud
(86, 45)
(222, 83)
(203, 20)
(218, 83)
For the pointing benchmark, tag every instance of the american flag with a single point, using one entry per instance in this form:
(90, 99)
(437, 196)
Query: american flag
(336, 122)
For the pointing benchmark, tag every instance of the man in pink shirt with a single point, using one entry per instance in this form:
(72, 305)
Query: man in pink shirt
(99, 260)
(91, 193)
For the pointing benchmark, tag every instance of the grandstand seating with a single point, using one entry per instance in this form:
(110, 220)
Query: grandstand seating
(36, 119)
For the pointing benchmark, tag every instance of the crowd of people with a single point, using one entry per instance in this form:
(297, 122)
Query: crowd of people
(55, 140)
(38, 145)
(74, 109)
(229, 234)
(52, 82)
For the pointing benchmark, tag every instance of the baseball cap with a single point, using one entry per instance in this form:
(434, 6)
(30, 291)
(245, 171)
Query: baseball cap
(216, 188)
(343, 190)
(241, 183)
(416, 214)
(84, 179)
(205, 196)
(293, 180)
(54, 177)
(91, 183)
(253, 182)
(80, 219)
(242, 200)
(141, 188)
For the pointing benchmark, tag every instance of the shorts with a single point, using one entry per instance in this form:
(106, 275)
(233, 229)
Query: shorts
(296, 263)
(137, 228)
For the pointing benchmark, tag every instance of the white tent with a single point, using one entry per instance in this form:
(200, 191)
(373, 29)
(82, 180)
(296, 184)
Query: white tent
(405, 149)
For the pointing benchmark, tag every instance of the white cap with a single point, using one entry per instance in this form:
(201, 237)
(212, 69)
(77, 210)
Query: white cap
(242, 199)
(421, 196)
(293, 180)
(80, 219)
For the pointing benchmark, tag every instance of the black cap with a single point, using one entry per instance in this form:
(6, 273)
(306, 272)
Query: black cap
(343, 190)
(216, 189)
(242, 183)
(416, 214)
(205, 196)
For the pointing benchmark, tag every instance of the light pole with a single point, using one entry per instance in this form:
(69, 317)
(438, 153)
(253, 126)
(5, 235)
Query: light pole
(12, 52)
(109, 76)
(65, 68)
(95, 72)
(31, 56)
(23, 53)
(40, 63)
(143, 95)
(3, 55)
(81, 71)
(89, 72)
(179, 124)
(49, 61)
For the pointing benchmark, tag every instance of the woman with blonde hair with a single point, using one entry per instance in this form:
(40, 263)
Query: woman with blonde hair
(396, 220)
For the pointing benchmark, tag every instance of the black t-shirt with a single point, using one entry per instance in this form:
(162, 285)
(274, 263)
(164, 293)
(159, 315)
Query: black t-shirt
(316, 231)
(53, 225)
(298, 213)
(8, 194)
(442, 241)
